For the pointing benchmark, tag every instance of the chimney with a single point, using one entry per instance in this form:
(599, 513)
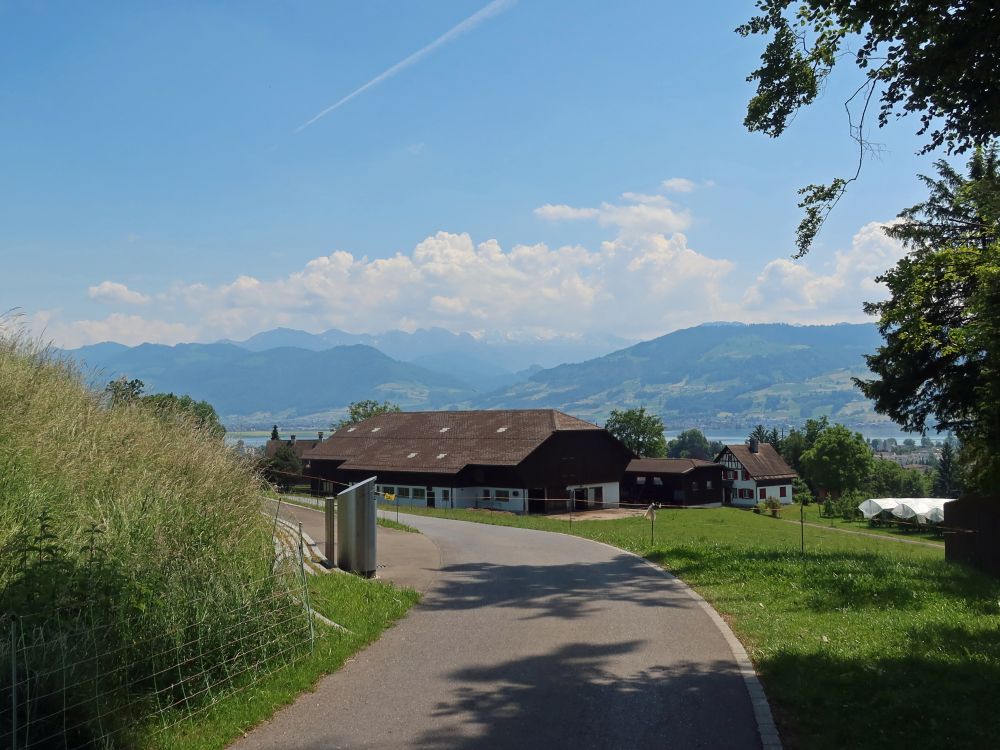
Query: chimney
(321, 436)
(292, 441)
(754, 445)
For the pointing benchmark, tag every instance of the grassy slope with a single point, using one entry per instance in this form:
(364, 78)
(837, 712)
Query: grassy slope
(365, 608)
(862, 642)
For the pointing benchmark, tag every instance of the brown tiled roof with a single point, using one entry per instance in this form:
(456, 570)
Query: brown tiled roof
(765, 464)
(299, 446)
(666, 465)
(444, 441)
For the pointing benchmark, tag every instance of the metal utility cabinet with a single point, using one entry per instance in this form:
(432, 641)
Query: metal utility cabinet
(357, 512)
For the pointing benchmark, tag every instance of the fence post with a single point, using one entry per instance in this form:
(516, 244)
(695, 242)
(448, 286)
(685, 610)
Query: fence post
(13, 683)
(305, 591)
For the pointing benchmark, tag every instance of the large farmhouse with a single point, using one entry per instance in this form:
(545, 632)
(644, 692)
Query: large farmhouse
(754, 473)
(532, 460)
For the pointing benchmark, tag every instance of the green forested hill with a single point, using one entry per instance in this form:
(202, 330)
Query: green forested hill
(714, 376)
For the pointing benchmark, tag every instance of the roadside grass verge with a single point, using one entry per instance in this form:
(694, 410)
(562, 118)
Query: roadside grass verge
(398, 526)
(365, 608)
(861, 642)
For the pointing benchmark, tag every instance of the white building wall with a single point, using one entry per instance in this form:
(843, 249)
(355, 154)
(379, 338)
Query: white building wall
(485, 497)
(611, 492)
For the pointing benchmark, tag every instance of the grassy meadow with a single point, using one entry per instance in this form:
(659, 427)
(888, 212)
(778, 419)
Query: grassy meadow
(862, 642)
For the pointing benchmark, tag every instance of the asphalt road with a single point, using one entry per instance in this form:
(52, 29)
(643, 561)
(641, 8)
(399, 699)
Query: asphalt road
(531, 640)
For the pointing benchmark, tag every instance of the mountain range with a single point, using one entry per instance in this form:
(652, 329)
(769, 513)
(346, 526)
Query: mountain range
(714, 376)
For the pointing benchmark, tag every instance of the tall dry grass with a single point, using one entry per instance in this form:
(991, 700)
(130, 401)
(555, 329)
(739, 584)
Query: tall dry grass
(131, 546)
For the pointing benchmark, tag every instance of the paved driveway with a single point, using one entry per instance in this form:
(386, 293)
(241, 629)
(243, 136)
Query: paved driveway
(532, 640)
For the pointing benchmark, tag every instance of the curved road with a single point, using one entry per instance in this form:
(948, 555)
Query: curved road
(532, 640)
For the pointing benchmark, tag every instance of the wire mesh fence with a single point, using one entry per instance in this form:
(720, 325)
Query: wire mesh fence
(96, 673)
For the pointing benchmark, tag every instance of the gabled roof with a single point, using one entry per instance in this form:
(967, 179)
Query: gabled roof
(444, 441)
(765, 464)
(667, 465)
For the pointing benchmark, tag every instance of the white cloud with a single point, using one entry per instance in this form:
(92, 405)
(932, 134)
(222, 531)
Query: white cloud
(787, 289)
(678, 185)
(126, 329)
(642, 214)
(113, 292)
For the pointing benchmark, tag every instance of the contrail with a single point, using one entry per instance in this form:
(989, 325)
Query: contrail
(484, 14)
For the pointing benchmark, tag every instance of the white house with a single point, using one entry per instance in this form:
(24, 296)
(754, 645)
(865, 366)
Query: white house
(754, 473)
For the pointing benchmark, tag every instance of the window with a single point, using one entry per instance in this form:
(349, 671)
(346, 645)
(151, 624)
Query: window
(446, 495)
(761, 493)
(746, 475)
(419, 493)
(412, 455)
(403, 492)
(694, 486)
(444, 429)
(640, 480)
(783, 492)
(501, 429)
(487, 494)
(441, 455)
(708, 484)
(658, 481)
(502, 496)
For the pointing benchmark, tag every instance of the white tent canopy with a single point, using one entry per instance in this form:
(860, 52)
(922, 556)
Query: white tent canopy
(921, 509)
(871, 508)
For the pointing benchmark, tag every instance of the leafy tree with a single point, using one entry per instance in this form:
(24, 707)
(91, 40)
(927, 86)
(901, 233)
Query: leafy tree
(941, 325)
(926, 442)
(839, 461)
(763, 435)
(124, 391)
(797, 442)
(948, 480)
(359, 411)
(801, 492)
(690, 444)
(274, 433)
(889, 479)
(640, 432)
(938, 60)
(284, 466)
(715, 448)
(201, 413)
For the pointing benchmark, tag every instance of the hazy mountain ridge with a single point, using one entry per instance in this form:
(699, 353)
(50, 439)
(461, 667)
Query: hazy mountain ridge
(713, 376)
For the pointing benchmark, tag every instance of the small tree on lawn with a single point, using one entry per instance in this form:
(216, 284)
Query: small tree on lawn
(838, 462)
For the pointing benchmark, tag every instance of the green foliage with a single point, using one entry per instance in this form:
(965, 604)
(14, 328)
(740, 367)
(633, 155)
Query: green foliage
(124, 391)
(801, 492)
(948, 479)
(145, 531)
(274, 433)
(691, 444)
(284, 466)
(640, 432)
(797, 441)
(838, 461)
(763, 435)
(917, 56)
(359, 411)
(941, 324)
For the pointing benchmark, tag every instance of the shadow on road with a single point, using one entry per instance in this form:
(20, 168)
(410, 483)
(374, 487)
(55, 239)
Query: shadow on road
(568, 591)
(571, 698)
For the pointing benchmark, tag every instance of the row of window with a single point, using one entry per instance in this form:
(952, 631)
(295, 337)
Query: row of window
(735, 475)
(412, 493)
(658, 482)
(745, 494)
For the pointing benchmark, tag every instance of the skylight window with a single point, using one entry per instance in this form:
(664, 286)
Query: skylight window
(442, 455)
(444, 429)
(351, 429)
(376, 429)
(501, 429)
(412, 455)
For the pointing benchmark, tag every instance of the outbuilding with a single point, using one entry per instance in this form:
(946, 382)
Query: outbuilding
(673, 481)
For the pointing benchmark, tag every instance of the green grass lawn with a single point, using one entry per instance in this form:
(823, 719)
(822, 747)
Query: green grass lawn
(365, 608)
(903, 531)
(862, 642)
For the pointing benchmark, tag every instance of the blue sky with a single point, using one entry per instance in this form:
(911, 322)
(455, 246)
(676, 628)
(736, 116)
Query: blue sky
(551, 169)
